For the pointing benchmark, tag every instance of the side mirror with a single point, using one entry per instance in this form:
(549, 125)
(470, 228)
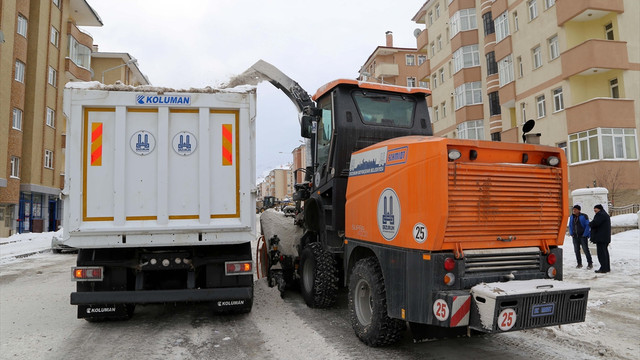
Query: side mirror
(307, 126)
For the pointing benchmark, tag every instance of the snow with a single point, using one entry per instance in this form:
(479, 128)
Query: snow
(624, 220)
(96, 85)
(22, 245)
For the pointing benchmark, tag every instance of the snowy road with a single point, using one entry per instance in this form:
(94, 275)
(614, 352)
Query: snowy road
(37, 322)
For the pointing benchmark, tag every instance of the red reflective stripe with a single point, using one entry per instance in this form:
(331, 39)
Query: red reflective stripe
(461, 313)
(97, 132)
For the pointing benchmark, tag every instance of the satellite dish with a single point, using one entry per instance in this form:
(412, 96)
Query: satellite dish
(417, 32)
(528, 126)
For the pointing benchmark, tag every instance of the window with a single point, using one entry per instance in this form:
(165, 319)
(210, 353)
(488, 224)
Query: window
(54, 37)
(441, 72)
(558, 100)
(15, 167)
(516, 26)
(17, 119)
(48, 159)
(496, 136)
(436, 113)
(554, 50)
(421, 59)
(19, 76)
(443, 106)
(450, 66)
(439, 40)
(433, 48)
(448, 35)
(410, 60)
(523, 111)
(615, 144)
(473, 130)
(492, 66)
(537, 57)
(487, 23)
(411, 82)
(437, 11)
(51, 116)
(563, 146)
(505, 70)
(502, 26)
(494, 104)
(468, 94)
(22, 25)
(613, 85)
(549, 3)
(541, 105)
(423, 84)
(325, 129)
(533, 9)
(394, 111)
(53, 76)
(466, 57)
(463, 20)
(430, 17)
(520, 67)
(79, 54)
(608, 31)
(434, 81)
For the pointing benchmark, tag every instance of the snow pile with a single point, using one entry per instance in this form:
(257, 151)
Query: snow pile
(624, 220)
(23, 245)
(241, 88)
(273, 222)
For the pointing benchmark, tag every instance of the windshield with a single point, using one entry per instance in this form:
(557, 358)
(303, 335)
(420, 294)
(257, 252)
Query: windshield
(385, 109)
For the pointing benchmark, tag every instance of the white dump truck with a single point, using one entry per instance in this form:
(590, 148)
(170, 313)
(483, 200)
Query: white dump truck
(159, 196)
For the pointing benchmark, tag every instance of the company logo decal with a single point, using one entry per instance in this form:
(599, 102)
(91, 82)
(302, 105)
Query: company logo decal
(184, 143)
(163, 100)
(368, 162)
(397, 156)
(389, 214)
(142, 142)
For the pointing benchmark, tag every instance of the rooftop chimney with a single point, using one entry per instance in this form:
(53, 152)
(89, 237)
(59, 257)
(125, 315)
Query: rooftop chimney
(389, 38)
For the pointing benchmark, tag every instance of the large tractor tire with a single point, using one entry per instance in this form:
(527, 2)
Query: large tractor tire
(318, 276)
(368, 306)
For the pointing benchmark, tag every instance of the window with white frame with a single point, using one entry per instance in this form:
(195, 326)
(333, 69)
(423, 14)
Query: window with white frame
(433, 48)
(443, 106)
(558, 100)
(437, 11)
(441, 73)
(463, 20)
(541, 106)
(430, 16)
(520, 67)
(608, 31)
(549, 3)
(436, 113)
(502, 26)
(423, 84)
(439, 41)
(434, 81)
(537, 57)
(22, 25)
(51, 117)
(466, 57)
(533, 9)
(603, 143)
(421, 59)
(17, 119)
(19, 75)
(15, 167)
(554, 49)
(523, 111)
(55, 37)
(613, 86)
(505, 70)
(473, 130)
(53, 76)
(48, 159)
(468, 94)
(516, 25)
(411, 82)
(410, 60)
(79, 54)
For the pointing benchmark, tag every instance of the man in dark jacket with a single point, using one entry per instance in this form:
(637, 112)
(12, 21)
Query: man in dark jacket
(601, 235)
(580, 231)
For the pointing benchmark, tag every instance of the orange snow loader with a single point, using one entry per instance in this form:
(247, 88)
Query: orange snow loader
(445, 235)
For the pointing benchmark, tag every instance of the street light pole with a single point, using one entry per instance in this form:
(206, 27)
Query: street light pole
(132, 61)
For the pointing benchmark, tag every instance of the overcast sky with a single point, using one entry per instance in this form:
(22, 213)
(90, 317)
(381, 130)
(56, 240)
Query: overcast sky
(198, 43)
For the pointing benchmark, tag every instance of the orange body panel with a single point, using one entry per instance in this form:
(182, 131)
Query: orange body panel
(406, 193)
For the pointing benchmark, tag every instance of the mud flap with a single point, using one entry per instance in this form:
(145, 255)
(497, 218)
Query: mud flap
(519, 305)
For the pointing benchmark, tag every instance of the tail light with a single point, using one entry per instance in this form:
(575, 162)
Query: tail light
(551, 259)
(449, 279)
(449, 264)
(238, 268)
(87, 273)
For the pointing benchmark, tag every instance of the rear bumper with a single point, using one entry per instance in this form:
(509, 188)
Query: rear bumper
(161, 296)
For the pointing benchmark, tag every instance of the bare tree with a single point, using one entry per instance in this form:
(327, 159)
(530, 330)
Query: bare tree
(611, 179)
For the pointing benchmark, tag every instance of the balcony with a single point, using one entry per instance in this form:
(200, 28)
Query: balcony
(386, 70)
(507, 94)
(423, 41)
(424, 71)
(75, 72)
(584, 10)
(617, 113)
(594, 54)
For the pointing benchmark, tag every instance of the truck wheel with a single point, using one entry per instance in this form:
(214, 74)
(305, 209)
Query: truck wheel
(368, 305)
(318, 276)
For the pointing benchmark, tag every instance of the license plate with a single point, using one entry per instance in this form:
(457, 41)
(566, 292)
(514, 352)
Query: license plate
(543, 310)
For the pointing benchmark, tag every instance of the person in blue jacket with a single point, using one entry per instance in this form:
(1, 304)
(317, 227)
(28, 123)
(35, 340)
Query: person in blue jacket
(580, 232)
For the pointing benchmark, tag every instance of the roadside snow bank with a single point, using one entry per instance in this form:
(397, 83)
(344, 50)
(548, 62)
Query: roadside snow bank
(96, 85)
(22, 245)
(624, 220)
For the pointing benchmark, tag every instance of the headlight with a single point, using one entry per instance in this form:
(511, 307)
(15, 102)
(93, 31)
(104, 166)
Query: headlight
(553, 161)
(454, 154)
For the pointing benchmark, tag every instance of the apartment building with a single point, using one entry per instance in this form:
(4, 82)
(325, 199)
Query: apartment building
(109, 67)
(278, 183)
(572, 66)
(43, 48)
(393, 65)
(299, 162)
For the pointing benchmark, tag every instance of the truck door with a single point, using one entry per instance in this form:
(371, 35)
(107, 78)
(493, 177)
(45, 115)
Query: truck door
(323, 141)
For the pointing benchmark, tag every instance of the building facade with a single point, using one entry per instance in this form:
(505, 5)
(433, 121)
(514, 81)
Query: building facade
(110, 67)
(571, 66)
(279, 183)
(43, 48)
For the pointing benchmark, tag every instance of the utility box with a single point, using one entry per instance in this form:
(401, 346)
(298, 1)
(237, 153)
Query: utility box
(589, 197)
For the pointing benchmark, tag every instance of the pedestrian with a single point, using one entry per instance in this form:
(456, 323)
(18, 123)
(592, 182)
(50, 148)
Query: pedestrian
(579, 230)
(601, 235)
